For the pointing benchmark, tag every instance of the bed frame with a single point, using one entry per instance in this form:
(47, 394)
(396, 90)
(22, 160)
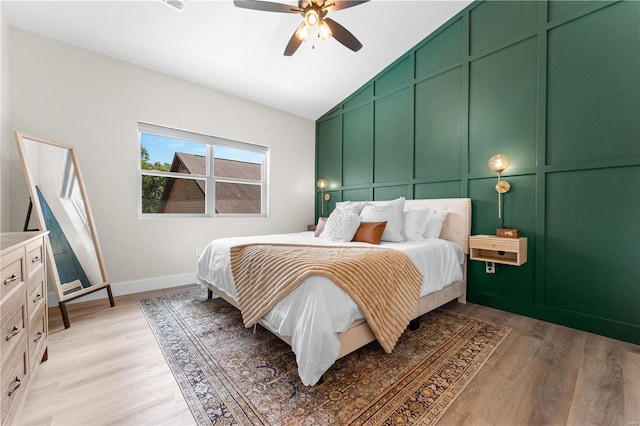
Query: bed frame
(456, 228)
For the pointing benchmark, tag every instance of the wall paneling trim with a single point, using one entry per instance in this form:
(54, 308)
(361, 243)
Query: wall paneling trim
(552, 84)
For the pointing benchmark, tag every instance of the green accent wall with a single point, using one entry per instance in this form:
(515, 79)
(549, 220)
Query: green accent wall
(555, 85)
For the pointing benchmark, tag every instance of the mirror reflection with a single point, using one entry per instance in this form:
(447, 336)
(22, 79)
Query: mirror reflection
(59, 203)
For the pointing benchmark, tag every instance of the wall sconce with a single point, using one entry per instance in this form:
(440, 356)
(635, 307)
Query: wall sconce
(322, 184)
(498, 163)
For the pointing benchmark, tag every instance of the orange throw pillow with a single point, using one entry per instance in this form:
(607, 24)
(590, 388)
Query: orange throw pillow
(370, 232)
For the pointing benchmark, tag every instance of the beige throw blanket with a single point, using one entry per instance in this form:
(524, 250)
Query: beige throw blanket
(384, 283)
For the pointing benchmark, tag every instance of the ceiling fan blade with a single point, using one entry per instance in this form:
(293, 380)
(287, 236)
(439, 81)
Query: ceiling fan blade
(294, 42)
(343, 35)
(343, 4)
(266, 6)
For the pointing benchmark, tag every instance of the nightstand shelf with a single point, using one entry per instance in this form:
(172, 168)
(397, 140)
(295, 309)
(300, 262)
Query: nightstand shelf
(489, 248)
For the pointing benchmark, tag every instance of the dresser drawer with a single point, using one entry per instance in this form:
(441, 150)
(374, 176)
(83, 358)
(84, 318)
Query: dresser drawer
(12, 274)
(35, 295)
(37, 336)
(14, 380)
(34, 261)
(495, 244)
(13, 323)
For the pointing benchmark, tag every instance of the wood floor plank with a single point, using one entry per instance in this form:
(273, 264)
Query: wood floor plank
(608, 386)
(549, 374)
(107, 369)
(631, 385)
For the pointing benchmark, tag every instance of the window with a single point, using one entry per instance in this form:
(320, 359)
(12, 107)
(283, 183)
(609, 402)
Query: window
(189, 174)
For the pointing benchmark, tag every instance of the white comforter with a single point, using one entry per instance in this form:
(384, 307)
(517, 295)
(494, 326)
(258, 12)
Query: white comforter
(317, 310)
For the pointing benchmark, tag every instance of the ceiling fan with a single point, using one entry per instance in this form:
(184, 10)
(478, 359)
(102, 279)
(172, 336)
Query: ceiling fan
(315, 18)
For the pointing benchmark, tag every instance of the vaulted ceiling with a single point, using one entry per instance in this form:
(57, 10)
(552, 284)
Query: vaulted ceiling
(240, 51)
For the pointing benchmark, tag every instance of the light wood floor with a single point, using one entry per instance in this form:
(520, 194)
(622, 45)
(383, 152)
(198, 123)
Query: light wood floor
(108, 369)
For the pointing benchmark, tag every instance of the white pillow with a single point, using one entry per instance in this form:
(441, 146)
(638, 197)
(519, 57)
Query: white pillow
(354, 206)
(415, 223)
(392, 213)
(435, 224)
(341, 226)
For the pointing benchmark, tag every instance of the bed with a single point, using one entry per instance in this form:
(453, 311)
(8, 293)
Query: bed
(321, 321)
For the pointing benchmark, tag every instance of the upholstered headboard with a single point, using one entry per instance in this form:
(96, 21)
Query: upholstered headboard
(457, 225)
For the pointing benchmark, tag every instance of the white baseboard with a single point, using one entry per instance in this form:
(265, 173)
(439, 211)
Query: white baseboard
(132, 287)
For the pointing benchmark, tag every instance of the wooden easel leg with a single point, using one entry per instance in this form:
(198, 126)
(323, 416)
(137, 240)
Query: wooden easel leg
(111, 301)
(65, 316)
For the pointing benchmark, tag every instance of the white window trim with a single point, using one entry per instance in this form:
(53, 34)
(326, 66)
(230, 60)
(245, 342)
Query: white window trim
(211, 179)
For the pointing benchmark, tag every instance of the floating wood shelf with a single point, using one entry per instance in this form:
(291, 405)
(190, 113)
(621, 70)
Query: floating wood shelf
(489, 248)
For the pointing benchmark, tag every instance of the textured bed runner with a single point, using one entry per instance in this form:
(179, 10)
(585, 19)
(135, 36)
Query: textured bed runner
(384, 283)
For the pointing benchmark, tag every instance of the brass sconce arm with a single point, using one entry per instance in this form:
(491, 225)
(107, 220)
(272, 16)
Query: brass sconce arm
(499, 163)
(322, 184)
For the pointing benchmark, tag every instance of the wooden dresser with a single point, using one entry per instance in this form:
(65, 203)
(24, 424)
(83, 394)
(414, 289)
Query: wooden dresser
(23, 316)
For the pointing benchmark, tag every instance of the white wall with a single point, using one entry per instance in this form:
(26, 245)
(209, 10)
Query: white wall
(5, 132)
(66, 94)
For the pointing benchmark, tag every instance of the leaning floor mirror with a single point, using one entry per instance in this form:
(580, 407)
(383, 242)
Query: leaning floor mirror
(60, 205)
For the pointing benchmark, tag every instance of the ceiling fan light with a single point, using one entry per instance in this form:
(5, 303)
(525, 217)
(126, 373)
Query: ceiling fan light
(324, 32)
(303, 32)
(311, 18)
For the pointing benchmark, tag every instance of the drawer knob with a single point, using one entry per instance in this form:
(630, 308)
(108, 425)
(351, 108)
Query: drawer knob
(35, 259)
(38, 297)
(14, 331)
(38, 336)
(16, 384)
(11, 279)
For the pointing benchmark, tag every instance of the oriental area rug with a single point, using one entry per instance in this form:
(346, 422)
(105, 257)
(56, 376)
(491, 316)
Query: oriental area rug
(232, 375)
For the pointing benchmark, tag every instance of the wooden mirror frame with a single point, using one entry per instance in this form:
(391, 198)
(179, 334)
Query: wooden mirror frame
(37, 206)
